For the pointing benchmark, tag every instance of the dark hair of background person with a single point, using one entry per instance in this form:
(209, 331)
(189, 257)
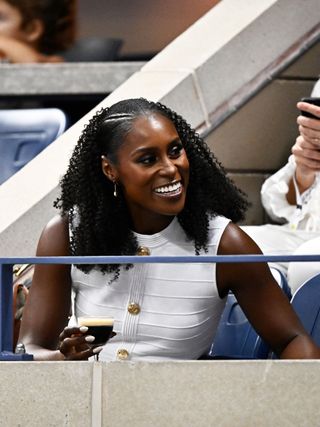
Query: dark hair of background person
(58, 18)
(100, 223)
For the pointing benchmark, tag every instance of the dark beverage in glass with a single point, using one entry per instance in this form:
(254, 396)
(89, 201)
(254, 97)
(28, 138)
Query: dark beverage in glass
(100, 327)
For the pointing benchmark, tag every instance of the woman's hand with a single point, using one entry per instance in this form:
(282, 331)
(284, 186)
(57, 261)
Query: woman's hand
(306, 150)
(15, 51)
(74, 344)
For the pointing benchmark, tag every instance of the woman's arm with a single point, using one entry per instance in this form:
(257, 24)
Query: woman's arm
(43, 329)
(261, 298)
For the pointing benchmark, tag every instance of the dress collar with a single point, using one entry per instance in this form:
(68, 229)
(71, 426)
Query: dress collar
(157, 239)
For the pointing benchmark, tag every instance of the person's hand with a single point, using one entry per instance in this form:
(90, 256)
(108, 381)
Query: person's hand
(15, 51)
(306, 150)
(74, 344)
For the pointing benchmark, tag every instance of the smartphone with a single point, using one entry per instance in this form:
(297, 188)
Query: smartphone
(311, 100)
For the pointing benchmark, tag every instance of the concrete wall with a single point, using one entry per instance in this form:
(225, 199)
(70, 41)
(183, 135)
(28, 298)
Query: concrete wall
(266, 123)
(202, 75)
(181, 394)
(145, 26)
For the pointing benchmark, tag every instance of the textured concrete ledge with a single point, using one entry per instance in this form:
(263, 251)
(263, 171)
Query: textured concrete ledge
(181, 394)
(64, 79)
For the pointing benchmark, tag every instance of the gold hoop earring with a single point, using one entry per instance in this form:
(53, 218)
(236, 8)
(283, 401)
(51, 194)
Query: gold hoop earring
(115, 190)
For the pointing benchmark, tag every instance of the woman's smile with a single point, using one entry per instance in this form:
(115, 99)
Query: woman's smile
(173, 189)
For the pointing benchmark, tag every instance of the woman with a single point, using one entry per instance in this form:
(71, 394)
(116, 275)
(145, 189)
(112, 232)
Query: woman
(36, 30)
(141, 181)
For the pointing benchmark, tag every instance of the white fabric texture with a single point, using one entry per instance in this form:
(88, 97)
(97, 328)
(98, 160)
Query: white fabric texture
(180, 305)
(273, 196)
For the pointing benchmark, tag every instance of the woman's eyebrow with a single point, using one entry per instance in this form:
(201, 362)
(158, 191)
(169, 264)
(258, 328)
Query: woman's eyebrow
(140, 150)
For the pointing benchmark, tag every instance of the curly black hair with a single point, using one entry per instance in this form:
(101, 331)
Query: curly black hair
(58, 18)
(100, 223)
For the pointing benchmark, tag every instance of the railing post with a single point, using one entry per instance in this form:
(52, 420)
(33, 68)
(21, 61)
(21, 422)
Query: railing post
(6, 316)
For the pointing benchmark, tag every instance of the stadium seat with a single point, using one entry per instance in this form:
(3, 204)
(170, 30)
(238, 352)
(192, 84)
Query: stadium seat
(282, 281)
(306, 303)
(24, 133)
(235, 337)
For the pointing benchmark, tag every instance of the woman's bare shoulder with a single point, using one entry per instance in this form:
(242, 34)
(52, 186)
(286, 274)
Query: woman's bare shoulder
(235, 241)
(54, 239)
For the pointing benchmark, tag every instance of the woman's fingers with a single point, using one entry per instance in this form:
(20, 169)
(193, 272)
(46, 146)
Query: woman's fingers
(76, 345)
(85, 354)
(310, 135)
(75, 341)
(306, 154)
(309, 108)
(68, 331)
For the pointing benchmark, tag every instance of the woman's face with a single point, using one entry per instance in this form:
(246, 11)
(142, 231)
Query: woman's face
(11, 22)
(153, 172)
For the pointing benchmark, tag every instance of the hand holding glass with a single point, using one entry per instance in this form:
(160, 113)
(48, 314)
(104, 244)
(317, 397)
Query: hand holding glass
(100, 327)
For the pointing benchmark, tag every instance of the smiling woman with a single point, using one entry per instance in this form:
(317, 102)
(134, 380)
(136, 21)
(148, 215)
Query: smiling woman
(141, 181)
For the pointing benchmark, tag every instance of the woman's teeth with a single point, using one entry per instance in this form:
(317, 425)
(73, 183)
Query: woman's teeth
(169, 188)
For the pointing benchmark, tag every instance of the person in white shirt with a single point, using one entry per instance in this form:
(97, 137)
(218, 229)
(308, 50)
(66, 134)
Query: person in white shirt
(291, 198)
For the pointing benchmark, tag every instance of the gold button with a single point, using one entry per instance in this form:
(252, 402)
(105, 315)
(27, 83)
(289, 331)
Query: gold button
(122, 354)
(134, 308)
(143, 251)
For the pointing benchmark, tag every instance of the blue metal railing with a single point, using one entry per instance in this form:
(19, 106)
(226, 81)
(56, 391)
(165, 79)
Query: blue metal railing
(6, 276)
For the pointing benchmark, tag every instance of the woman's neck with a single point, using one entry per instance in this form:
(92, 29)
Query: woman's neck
(152, 227)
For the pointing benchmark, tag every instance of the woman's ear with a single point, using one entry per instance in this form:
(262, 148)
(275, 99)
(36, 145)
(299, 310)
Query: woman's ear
(33, 30)
(108, 169)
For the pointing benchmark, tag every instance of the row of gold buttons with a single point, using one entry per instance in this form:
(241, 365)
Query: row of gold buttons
(133, 307)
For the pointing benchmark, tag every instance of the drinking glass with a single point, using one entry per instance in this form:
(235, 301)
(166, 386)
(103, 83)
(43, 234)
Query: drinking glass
(100, 327)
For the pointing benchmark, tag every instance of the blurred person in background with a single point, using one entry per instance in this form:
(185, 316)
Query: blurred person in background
(36, 30)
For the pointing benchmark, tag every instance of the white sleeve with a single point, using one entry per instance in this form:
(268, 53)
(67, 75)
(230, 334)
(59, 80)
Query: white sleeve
(274, 191)
(305, 214)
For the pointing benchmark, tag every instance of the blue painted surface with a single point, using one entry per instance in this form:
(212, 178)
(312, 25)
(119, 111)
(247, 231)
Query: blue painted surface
(159, 259)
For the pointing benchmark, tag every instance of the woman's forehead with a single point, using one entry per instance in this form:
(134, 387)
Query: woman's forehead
(152, 130)
(154, 123)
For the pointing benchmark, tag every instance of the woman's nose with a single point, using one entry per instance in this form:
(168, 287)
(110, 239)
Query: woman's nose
(168, 167)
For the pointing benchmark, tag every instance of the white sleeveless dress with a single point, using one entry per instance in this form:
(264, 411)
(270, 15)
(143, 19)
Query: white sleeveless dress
(161, 311)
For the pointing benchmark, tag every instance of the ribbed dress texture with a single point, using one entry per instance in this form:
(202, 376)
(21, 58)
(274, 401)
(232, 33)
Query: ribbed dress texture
(161, 311)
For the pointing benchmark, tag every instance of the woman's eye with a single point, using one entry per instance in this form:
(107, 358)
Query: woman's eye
(176, 150)
(147, 160)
